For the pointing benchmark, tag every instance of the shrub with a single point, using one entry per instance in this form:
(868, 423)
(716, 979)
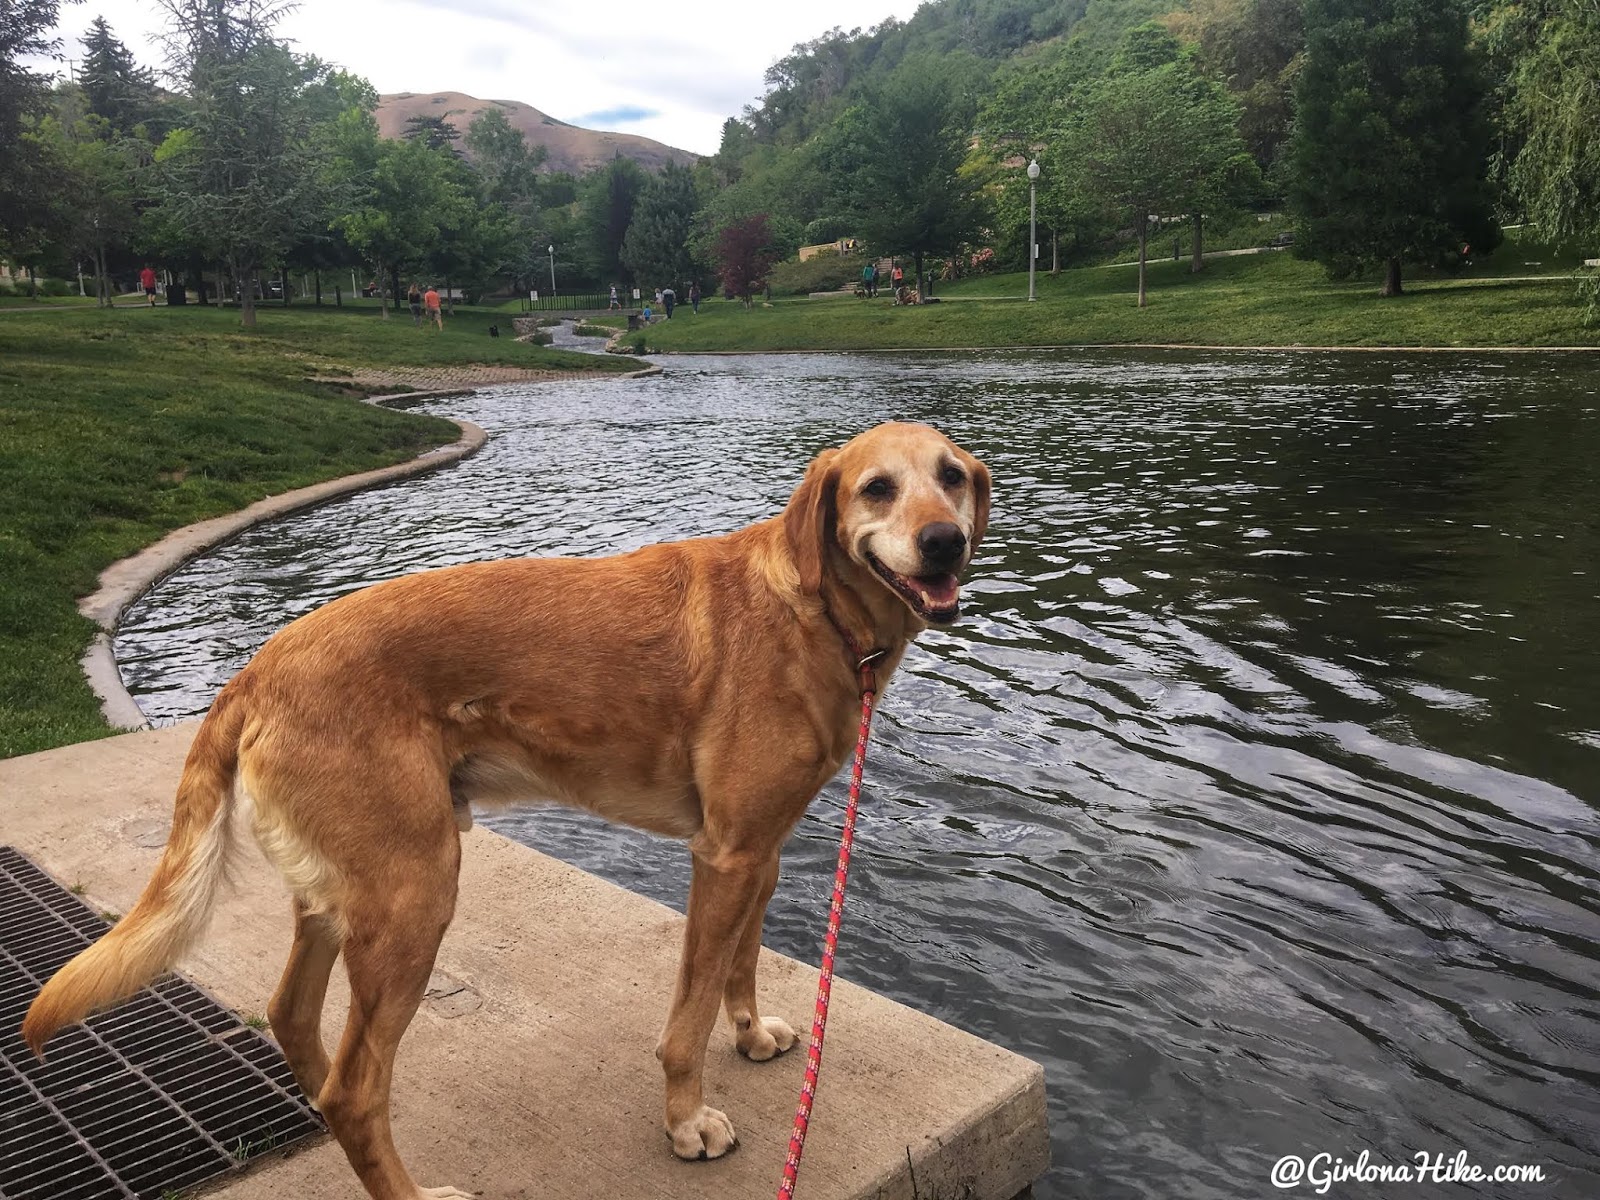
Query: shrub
(825, 273)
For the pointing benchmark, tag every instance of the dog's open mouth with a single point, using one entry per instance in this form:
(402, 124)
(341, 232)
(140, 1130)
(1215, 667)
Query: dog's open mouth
(934, 598)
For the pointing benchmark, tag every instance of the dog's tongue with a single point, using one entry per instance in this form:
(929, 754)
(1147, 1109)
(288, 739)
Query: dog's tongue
(938, 591)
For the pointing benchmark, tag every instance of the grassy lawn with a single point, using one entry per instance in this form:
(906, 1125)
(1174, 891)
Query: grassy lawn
(118, 426)
(1261, 299)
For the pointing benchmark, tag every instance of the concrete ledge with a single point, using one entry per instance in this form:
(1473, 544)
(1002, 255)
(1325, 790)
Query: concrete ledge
(530, 1069)
(124, 582)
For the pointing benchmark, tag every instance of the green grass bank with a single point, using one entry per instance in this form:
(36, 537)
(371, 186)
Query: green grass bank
(118, 426)
(1267, 299)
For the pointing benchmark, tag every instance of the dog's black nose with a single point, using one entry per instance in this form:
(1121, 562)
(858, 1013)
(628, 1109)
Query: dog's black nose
(942, 545)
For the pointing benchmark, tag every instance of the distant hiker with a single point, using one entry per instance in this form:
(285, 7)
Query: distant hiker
(899, 277)
(694, 297)
(869, 279)
(615, 303)
(430, 301)
(147, 280)
(414, 298)
(669, 298)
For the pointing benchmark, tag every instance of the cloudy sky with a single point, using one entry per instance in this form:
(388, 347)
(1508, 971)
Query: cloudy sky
(672, 70)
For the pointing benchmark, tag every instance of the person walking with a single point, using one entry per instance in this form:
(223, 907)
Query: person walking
(430, 301)
(147, 280)
(669, 300)
(414, 298)
(869, 279)
(615, 302)
(694, 297)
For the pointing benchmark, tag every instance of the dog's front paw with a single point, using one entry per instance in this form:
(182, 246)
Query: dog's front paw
(767, 1040)
(706, 1134)
(446, 1193)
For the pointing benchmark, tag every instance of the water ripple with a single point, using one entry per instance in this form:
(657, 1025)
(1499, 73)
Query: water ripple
(1256, 796)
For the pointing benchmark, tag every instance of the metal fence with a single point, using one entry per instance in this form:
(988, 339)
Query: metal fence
(573, 302)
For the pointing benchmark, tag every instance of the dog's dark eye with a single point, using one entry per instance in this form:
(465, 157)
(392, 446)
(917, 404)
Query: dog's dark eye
(953, 476)
(879, 489)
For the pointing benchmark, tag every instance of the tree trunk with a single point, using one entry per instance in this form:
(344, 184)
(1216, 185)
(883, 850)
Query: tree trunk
(1197, 263)
(283, 285)
(394, 283)
(317, 275)
(1144, 238)
(449, 297)
(102, 285)
(1391, 278)
(383, 293)
(222, 283)
(247, 295)
(33, 284)
(917, 259)
(1055, 252)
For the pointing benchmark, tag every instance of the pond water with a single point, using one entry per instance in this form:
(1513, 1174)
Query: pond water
(1255, 796)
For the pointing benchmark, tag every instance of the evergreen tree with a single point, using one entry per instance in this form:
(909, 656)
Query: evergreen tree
(116, 88)
(606, 201)
(1387, 161)
(25, 27)
(433, 131)
(656, 249)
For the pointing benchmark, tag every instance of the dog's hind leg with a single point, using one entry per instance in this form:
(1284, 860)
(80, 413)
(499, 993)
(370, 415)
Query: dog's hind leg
(394, 922)
(759, 1038)
(296, 1007)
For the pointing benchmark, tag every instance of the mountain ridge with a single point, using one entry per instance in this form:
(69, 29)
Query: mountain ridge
(568, 147)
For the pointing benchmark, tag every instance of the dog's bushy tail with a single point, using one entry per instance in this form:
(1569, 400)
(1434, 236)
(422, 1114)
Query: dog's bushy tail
(176, 904)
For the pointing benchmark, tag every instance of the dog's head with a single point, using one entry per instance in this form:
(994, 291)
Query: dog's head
(901, 504)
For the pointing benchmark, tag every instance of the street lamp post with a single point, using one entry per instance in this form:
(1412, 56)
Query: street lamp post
(552, 270)
(1033, 222)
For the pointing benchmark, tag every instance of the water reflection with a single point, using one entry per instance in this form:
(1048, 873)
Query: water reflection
(1256, 797)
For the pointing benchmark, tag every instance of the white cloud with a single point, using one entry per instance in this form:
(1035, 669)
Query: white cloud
(692, 62)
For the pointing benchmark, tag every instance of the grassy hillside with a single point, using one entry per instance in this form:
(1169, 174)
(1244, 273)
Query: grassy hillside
(118, 426)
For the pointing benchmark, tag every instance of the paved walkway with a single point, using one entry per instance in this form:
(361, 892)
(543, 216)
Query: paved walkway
(530, 1069)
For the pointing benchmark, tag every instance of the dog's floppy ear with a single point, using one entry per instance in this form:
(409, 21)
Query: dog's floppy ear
(808, 519)
(980, 492)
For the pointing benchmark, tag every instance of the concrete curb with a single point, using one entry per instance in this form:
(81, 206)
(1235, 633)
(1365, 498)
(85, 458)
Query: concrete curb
(124, 582)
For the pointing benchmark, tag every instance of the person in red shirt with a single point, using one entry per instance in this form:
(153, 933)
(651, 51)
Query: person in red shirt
(147, 280)
(430, 301)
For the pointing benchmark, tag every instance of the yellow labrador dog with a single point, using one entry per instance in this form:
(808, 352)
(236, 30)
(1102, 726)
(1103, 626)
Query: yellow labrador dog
(703, 689)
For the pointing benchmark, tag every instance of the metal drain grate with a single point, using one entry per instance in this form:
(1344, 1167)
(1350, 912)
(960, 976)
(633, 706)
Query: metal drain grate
(165, 1090)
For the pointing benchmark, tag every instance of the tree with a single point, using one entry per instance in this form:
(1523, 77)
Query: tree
(242, 177)
(606, 201)
(1387, 162)
(1150, 143)
(898, 155)
(656, 249)
(115, 87)
(97, 175)
(745, 255)
(25, 27)
(1254, 48)
(402, 195)
(434, 131)
(1551, 113)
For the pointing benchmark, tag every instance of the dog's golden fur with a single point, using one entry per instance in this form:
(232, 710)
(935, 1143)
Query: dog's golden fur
(700, 689)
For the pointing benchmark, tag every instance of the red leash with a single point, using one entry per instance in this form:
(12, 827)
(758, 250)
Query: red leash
(808, 1090)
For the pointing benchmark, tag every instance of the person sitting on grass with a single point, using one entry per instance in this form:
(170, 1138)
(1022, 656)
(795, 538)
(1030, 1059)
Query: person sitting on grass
(430, 301)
